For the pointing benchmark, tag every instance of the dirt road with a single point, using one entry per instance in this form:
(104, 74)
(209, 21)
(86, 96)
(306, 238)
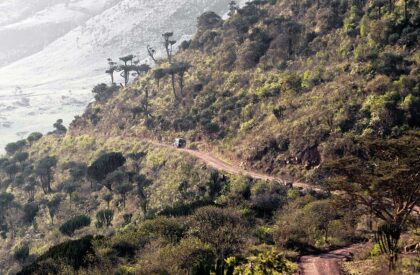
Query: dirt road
(324, 264)
(235, 169)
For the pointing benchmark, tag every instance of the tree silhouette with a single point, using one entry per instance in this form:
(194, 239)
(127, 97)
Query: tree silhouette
(126, 68)
(53, 205)
(140, 69)
(44, 172)
(60, 129)
(35, 136)
(158, 74)
(104, 165)
(142, 182)
(233, 7)
(111, 69)
(384, 177)
(123, 189)
(69, 188)
(107, 198)
(151, 52)
(168, 43)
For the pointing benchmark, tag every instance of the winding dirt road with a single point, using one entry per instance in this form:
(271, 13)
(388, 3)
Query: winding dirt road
(218, 164)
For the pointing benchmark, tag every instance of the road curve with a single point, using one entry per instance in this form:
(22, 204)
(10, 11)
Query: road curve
(218, 164)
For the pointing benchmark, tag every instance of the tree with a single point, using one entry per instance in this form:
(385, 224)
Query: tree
(181, 69)
(111, 69)
(30, 210)
(142, 182)
(11, 170)
(126, 68)
(76, 170)
(19, 180)
(53, 206)
(140, 69)
(223, 229)
(11, 148)
(320, 215)
(383, 176)
(33, 137)
(136, 159)
(104, 165)
(69, 227)
(30, 188)
(233, 7)
(60, 129)
(44, 171)
(151, 52)
(122, 189)
(21, 156)
(102, 92)
(168, 43)
(158, 74)
(116, 177)
(107, 198)
(104, 218)
(6, 201)
(69, 188)
(209, 20)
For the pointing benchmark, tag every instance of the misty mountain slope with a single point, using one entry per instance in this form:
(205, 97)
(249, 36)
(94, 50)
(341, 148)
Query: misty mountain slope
(26, 28)
(77, 60)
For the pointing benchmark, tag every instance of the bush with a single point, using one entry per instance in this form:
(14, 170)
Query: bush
(78, 222)
(102, 91)
(170, 230)
(77, 253)
(271, 262)
(267, 198)
(104, 165)
(21, 253)
(104, 218)
(29, 212)
(35, 136)
(11, 148)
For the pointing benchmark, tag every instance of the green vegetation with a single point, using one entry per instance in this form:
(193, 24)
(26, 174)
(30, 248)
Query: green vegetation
(322, 92)
(69, 227)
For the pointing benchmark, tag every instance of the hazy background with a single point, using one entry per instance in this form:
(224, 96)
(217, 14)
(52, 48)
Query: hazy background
(52, 52)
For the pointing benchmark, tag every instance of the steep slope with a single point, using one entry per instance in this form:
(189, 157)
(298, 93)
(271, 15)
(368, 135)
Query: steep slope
(77, 60)
(284, 87)
(326, 91)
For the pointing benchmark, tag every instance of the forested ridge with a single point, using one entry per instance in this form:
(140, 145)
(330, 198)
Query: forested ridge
(323, 92)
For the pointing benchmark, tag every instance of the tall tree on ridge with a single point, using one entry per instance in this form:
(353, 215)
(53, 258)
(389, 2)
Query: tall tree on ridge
(112, 68)
(168, 43)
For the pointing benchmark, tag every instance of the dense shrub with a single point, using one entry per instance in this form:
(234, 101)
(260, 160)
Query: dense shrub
(75, 223)
(102, 91)
(30, 211)
(77, 253)
(170, 230)
(104, 165)
(21, 253)
(35, 136)
(104, 218)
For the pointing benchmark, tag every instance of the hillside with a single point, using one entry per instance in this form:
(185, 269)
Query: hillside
(302, 126)
(68, 57)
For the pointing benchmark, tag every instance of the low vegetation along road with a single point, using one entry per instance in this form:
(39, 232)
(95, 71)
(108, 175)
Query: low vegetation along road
(232, 168)
(323, 264)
